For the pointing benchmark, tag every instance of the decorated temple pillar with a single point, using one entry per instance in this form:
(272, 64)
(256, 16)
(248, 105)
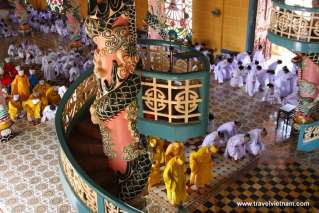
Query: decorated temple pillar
(111, 25)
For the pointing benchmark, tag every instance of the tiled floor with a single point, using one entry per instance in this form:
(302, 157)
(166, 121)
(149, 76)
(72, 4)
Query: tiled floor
(29, 180)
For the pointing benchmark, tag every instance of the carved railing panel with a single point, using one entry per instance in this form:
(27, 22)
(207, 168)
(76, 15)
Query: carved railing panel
(297, 25)
(311, 134)
(83, 93)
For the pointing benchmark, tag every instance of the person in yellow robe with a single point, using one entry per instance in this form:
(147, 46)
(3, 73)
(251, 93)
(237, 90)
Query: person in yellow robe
(155, 176)
(43, 99)
(175, 180)
(175, 149)
(21, 85)
(201, 166)
(53, 96)
(14, 107)
(158, 149)
(33, 109)
(41, 87)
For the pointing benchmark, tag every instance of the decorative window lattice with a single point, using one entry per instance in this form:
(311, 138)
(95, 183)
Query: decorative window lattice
(171, 101)
(56, 5)
(311, 134)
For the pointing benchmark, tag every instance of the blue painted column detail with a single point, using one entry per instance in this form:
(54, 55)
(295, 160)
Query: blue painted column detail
(252, 12)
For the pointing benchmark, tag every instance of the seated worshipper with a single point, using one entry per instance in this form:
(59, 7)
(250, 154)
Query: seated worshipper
(236, 146)
(237, 79)
(215, 138)
(21, 85)
(175, 180)
(155, 175)
(41, 87)
(48, 113)
(229, 129)
(53, 96)
(175, 149)
(259, 55)
(20, 53)
(271, 95)
(33, 79)
(201, 165)
(255, 145)
(9, 68)
(32, 107)
(252, 83)
(4, 79)
(61, 91)
(284, 82)
(15, 108)
(29, 59)
(41, 97)
(49, 72)
(12, 50)
(74, 73)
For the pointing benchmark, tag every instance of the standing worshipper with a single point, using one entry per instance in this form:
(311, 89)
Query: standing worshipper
(201, 165)
(49, 72)
(259, 55)
(252, 83)
(237, 79)
(284, 82)
(21, 85)
(261, 76)
(218, 70)
(175, 181)
(236, 146)
(175, 149)
(255, 145)
(244, 57)
(229, 129)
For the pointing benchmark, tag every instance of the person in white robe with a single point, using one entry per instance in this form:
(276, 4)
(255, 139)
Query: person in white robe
(271, 95)
(293, 98)
(48, 113)
(255, 145)
(252, 83)
(259, 55)
(229, 129)
(236, 146)
(228, 69)
(237, 79)
(61, 91)
(88, 65)
(284, 82)
(214, 138)
(49, 72)
(74, 73)
(12, 50)
(244, 57)
(270, 77)
(261, 77)
(218, 71)
(20, 52)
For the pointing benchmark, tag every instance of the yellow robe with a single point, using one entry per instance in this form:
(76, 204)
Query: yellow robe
(175, 149)
(201, 166)
(175, 181)
(41, 89)
(33, 111)
(158, 150)
(53, 96)
(155, 176)
(14, 107)
(43, 99)
(21, 85)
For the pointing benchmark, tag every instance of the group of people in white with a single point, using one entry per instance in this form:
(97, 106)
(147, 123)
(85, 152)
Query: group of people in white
(236, 145)
(49, 22)
(67, 64)
(254, 73)
(5, 30)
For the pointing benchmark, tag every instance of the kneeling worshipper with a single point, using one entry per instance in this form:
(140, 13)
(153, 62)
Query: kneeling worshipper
(237, 79)
(48, 113)
(271, 95)
(175, 149)
(53, 95)
(43, 99)
(255, 145)
(215, 138)
(33, 109)
(21, 85)
(175, 181)
(229, 129)
(201, 166)
(15, 108)
(236, 146)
